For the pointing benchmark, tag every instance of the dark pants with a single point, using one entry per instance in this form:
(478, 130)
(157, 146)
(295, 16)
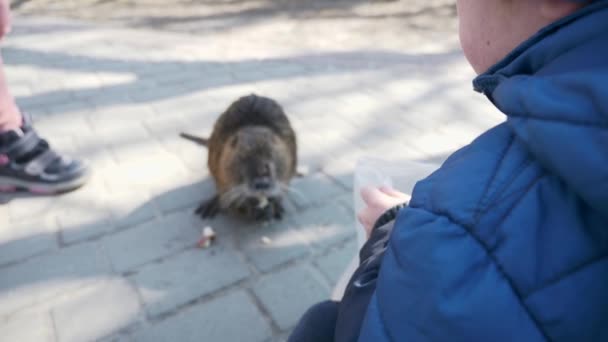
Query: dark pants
(317, 325)
(341, 321)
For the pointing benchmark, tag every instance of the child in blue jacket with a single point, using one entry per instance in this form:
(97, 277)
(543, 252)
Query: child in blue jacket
(508, 240)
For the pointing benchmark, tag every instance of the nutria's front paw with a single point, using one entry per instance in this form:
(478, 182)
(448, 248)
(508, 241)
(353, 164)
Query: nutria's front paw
(209, 208)
(278, 209)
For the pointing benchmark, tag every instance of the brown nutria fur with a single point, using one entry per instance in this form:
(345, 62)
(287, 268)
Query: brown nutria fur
(252, 158)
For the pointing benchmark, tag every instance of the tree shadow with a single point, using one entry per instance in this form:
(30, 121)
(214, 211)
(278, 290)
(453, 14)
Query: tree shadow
(300, 10)
(182, 78)
(269, 8)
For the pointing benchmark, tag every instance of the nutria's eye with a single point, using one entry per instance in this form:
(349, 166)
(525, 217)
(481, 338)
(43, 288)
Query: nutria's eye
(266, 169)
(234, 141)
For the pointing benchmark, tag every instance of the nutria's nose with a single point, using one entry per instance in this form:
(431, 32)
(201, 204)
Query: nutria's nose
(262, 183)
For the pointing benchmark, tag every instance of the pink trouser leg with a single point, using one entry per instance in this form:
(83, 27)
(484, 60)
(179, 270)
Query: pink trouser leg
(10, 116)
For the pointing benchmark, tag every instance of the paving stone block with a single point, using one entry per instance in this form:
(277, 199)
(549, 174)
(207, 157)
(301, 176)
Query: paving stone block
(58, 124)
(25, 207)
(360, 108)
(121, 337)
(92, 150)
(395, 151)
(28, 327)
(224, 96)
(157, 92)
(185, 277)
(109, 79)
(82, 81)
(198, 111)
(83, 213)
(18, 73)
(314, 188)
(348, 201)
(74, 109)
(192, 155)
(267, 71)
(97, 312)
(45, 276)
(209, 81)
(105, 96)
(187, 196)
(133, 150)
(20, 240)
(82, 222)
(334, 264)
(122, 113)
(320, 149)
(309, 109)
(154, 68)
(4, 214)
(46, 94)
(288, 293)
(174, 77)
(270, 245)
(231, 318)
(311, 155)
(151, 240)
(130, 208)
(165, 125)
(327, 225)
(114, 129)
(226, 226)
(145, 174)
(431, 144)
(462, 133)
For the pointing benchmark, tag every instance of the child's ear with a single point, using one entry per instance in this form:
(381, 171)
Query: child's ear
(557, 9)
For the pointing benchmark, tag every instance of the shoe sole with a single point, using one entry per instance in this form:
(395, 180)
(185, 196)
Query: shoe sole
(14, 185)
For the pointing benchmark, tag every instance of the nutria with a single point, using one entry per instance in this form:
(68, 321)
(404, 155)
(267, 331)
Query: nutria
(252, 158)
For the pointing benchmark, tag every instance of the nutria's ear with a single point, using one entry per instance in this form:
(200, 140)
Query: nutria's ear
(273, 137)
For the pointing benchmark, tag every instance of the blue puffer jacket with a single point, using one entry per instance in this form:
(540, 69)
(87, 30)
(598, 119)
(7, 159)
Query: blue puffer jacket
(508, 240)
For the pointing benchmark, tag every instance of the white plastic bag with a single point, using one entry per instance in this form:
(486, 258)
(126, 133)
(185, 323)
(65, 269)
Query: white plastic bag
(376, 172)
(370, 171)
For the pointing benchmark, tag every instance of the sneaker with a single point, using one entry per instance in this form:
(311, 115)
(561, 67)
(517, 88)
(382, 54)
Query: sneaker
(27, 162)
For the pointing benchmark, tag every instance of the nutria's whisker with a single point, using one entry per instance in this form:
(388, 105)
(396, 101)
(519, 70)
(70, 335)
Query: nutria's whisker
(242, 194)
(291, 190)
(231, 197)
(226, 199)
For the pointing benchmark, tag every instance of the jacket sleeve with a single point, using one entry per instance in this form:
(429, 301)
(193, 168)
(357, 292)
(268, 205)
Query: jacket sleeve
(363, 282)
(439, 283)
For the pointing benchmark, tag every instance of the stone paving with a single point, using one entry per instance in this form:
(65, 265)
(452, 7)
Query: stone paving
(117, 261)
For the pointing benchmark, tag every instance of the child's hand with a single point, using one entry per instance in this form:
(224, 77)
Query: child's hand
(378, 201)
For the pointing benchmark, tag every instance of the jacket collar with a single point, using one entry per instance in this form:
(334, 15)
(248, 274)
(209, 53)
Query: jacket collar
(554, 90)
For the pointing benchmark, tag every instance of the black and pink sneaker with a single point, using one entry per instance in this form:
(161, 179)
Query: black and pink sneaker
(28, 163)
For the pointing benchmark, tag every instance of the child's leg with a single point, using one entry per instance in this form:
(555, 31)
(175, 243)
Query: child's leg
(10, 117)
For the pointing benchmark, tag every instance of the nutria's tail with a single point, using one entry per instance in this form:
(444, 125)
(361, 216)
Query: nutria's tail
(198, 140)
